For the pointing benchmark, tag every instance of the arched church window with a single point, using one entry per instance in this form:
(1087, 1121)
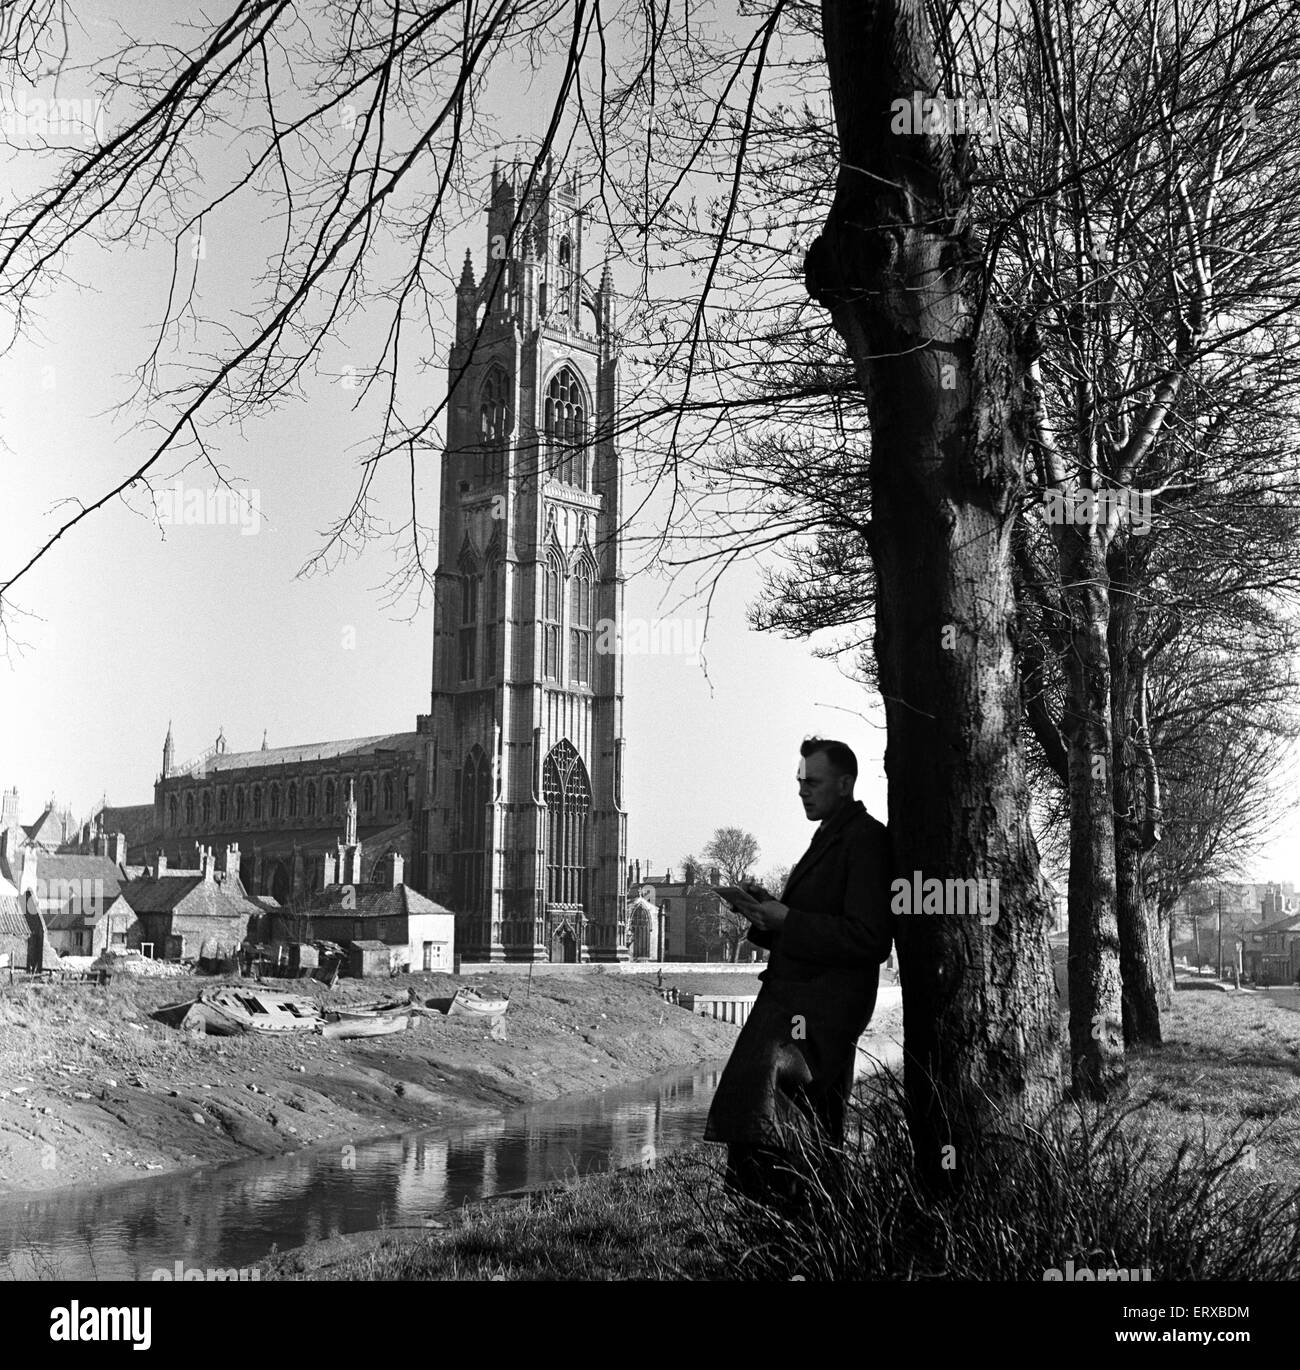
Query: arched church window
(172, 808)
(566, 431)
(223, 805)
(467, 636)
(207, 807)
(388, 794)
(494, 424)
(564, 278)
(368, 795)
(552, 606)
(257, 801)
(580, 610)
(311, 798)
(329, 796)
(275, 801)
(189, 809)
(239, 804)
(475, 785)
(292, 799)
(566, 789)
(493, 613)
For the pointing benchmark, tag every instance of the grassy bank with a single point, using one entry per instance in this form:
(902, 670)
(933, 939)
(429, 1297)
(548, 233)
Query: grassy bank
(1195, 1177)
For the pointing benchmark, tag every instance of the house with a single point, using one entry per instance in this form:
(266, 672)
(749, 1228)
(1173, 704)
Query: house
(413, 931)
(181, 913)
(23, 943)
(1270, 954)
(79, 899)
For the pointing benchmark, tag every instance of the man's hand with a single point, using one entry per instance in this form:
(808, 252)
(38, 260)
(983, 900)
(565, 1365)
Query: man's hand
(768, 915)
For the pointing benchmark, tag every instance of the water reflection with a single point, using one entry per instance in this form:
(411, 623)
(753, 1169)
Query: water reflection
(230, 1215)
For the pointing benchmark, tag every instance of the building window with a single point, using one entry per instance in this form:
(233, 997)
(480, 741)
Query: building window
(311, 798)
(388, 794)
(172, 807)
(566, 431)
(580, 624)
(467, 638)
(368, 795)
(564, 277)
(329, 796)
(293, 799)
(223, 806)
(567, 792)
(239, 804)
(471, 856)
(551, 609)
(207, 807)
(189, 810)
(275, 801)
(494, 424)
(257, 801)
(491, 613)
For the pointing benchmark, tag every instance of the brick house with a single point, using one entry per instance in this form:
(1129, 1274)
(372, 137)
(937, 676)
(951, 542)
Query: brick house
(1271, 954)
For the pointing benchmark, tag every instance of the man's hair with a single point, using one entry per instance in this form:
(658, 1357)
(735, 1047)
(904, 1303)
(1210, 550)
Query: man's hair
(839, 756)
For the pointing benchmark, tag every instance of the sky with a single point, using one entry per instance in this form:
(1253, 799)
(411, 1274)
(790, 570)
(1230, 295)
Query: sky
(210, 626)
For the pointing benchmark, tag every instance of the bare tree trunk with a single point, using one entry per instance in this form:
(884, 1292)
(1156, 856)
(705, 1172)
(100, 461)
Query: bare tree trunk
(901, 281)
(1143, 960)
(1096, 1019)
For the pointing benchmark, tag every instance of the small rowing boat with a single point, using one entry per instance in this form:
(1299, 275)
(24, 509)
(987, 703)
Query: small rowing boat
(350, 1025)
(471, 1001)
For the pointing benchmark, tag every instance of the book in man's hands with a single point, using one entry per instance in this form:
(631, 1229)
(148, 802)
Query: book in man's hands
(739, 896)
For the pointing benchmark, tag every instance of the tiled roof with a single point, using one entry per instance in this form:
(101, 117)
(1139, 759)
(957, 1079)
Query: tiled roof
(371, 901)
(1291, 923)
(190, 894)
(13, 921)
(81, 868)
(309, 751)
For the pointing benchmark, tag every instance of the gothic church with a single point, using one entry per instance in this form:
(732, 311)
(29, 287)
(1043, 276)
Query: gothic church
(506, 801)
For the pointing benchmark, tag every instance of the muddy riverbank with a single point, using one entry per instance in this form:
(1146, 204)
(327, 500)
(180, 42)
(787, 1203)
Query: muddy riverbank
(94, 1090)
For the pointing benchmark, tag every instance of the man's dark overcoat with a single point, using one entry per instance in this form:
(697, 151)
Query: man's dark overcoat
(819, 988)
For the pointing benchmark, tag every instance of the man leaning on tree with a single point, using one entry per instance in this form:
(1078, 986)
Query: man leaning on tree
(792, 1066)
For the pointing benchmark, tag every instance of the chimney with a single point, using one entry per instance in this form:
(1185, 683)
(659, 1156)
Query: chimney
(232, 861)
(207, 864)
(329, 874)
(161, 867)
(119, 849)
(393, 869)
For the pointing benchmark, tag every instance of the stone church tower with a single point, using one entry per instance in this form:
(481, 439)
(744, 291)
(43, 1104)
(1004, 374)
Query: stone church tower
(524, 829)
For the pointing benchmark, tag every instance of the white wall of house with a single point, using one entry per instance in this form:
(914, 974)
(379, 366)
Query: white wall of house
(439, 931)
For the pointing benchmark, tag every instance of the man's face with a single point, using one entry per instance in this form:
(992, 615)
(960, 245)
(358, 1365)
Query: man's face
(821, 790)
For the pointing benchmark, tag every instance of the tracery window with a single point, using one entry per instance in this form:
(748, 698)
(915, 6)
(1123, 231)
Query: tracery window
(566, 789)
(580, 605)
(239, 804)
(223, 805)
(311, 798)
(329, 796)
(388, 794)
(293, 799)
(275, 801)
(467, 635)
(368, 796)
(172, 809)
(207, 807)
(475, 785)
(257, 801)
(552, 605)
(189, 810)
(566, 431)
(494, 424)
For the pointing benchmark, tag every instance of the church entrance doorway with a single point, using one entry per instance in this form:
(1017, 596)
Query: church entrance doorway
(564, 946)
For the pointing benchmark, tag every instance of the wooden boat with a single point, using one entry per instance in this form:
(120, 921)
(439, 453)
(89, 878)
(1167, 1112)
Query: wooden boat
(350, 1025)
(469, 1000)
(233, 1009)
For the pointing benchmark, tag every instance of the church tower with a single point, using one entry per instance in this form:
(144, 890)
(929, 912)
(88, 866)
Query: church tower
(523, 829)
